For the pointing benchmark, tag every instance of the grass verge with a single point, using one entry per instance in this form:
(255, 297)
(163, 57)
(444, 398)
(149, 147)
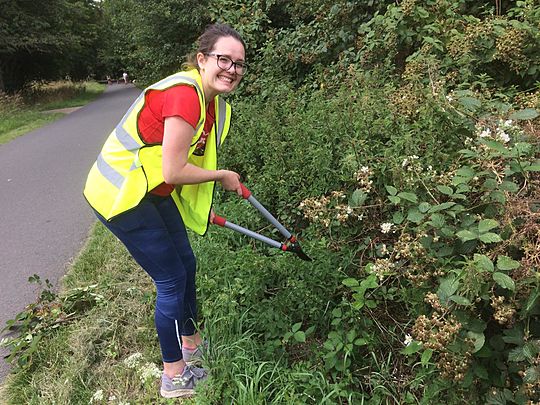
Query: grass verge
(20, 118)
(99, 345)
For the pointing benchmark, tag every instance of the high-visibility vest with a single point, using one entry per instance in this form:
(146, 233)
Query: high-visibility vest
(127, 167)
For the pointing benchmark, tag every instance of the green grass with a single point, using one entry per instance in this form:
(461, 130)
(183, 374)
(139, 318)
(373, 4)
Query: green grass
(23, 119)
(18, 123)
(113, 320)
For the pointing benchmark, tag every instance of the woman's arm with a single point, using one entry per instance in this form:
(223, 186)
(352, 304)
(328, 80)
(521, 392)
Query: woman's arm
(176, 170)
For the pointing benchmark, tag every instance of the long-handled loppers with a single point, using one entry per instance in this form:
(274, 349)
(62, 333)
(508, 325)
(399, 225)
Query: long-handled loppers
(291, 245)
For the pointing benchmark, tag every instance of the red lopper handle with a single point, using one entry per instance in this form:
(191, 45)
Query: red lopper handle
(219, 220)
(245, 192)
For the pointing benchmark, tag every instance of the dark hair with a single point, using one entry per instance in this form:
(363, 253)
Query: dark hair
(206, 42)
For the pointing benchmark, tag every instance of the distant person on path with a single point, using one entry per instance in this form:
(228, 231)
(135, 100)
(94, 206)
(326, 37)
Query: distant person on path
(155, 176)
(125, 76)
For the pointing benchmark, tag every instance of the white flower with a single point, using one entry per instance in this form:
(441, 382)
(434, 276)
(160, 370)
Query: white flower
(408, 340)
(405, 162)
(503, 136)
(386, 227)
(112, 397)
(148, 371)
(449, 98)
(133, 360)
(486, 133)
(508, 123)
(98, 396)
(364, 169)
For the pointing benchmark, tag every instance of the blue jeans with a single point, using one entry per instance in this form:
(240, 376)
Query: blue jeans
(156, 237)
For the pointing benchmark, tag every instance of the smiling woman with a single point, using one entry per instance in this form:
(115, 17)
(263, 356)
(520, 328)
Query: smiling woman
(155, 176)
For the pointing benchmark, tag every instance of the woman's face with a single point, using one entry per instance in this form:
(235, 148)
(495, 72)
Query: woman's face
(215, 79)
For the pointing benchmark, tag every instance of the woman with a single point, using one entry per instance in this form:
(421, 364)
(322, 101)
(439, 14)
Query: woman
(156, 174)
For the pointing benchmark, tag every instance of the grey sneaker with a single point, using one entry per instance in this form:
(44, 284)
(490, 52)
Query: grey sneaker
(183, 385)
(195, 356)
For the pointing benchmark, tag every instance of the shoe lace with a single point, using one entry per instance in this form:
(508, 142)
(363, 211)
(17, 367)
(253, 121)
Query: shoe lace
(196, 371)
(189, 373)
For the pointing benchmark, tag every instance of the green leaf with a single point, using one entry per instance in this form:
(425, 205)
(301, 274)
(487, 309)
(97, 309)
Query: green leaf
(532, 168)
(506, 263)
(467, 235)
(370, 282)
(509, 186)
(531, 301)
(490, 237)
(484, 262)
(394, 200)
(458, 299)
(532, 375)
(495, 145)
(530, 350)
(415, 216)
(426, 356)
(350, 282)
(408, 196)
(413, 347)
(470, 103)
(398, 217)
(486, 225)
(478, 338)
(445, 190)
(296, 327)
(480, 371)
(358, 198)
(498, 196)
(424, 207)
(300, 336)
(516, 355)
(447, 288)
(466, 171)
(441, 207)
(391, 190)
(504, 281)
(513, 336)
(361, 342)
(437, 220)
(525, 114)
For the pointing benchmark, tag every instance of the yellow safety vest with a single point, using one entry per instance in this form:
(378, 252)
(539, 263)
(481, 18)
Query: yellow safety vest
(127, 168)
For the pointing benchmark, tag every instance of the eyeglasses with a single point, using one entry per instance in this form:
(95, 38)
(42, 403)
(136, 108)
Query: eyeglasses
(225, 63)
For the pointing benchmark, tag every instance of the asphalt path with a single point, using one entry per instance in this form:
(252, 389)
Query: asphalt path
(44, 219)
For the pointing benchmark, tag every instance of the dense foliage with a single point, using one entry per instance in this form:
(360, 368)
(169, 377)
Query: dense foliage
(405, 146)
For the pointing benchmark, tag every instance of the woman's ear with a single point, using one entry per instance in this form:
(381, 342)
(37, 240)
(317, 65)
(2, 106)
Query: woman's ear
(201, 59)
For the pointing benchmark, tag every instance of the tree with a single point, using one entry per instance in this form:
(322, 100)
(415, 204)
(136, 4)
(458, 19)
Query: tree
(38, 42)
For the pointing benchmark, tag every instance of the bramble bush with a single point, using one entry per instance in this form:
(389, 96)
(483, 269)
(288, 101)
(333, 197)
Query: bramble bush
(424, 227)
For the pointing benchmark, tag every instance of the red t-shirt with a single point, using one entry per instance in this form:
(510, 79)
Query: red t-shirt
(178, 101)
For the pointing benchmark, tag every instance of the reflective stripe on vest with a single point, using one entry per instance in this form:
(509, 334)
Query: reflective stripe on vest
(127, 168)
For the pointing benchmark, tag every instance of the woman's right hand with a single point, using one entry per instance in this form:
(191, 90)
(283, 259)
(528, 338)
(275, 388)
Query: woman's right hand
(230, 181)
